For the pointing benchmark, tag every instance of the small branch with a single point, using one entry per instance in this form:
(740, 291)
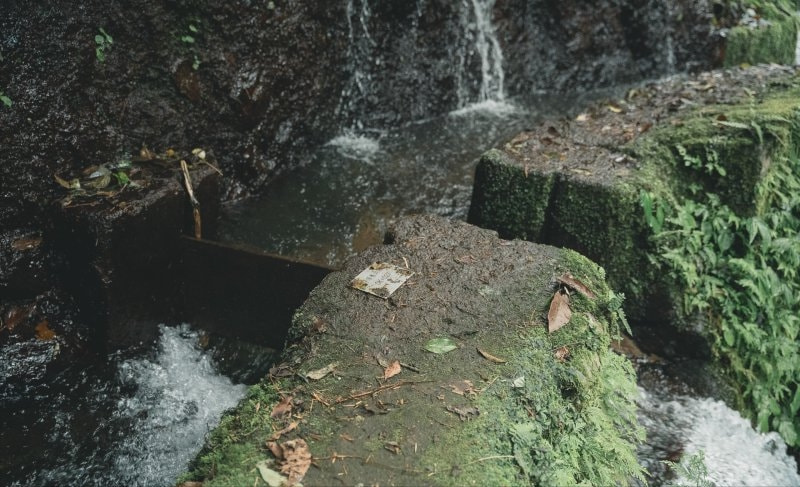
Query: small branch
(195, 204)
(382, 388)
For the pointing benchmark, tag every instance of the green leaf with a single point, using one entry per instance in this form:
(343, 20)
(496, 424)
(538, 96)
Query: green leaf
(100, 40)
(6, 100)
(730, 337)
(440, 345)
(788, 432)
(796, 401)
(187, 39)
(192, 28)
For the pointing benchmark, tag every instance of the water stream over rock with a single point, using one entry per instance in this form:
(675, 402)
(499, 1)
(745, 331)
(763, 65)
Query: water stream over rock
(127, 421)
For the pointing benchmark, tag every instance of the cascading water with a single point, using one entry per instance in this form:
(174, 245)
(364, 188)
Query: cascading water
(136, 423)
(482, 40)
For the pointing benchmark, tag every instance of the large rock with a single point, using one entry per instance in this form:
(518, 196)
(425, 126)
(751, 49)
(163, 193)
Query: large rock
(552, 413)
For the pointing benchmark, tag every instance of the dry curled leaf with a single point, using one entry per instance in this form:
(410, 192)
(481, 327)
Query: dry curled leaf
(392, 446)
(271, 477)
(282, 408)
(392, 370)
(491, 357)
(569, 280)
(559, 313)
(320, 373)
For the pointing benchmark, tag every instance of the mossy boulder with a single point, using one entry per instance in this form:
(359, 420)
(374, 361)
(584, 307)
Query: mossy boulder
(685, 191)
(511, 405)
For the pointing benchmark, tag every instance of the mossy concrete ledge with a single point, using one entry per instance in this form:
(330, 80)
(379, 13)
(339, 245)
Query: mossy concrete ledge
(578, 183)
(511, 405)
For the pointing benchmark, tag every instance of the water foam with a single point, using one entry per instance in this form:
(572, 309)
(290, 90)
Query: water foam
(498, 108)
(735, 454)
(354, 146)
(179, 397)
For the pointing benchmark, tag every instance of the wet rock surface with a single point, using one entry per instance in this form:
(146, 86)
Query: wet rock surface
(431, 418)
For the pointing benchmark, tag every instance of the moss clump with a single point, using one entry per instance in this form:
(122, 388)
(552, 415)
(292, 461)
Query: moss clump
(567, 419)
(507, 200)
(767, 35)
(237, 443)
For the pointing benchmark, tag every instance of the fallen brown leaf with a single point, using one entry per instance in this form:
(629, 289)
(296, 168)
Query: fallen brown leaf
(297, 459)
(559, 313)
(282, 408)
(392, 370)
(569, 280)
(491, 358)
(276, 435)
(462, 388)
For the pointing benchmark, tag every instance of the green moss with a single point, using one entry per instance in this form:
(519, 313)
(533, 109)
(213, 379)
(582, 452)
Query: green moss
(771, 44)
(237, 443)
(572, 422)
(508, 200)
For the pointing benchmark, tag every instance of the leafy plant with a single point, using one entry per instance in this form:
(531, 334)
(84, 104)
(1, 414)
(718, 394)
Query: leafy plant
(103, 43)
(741, 275)
(691, 469)
(5, 99)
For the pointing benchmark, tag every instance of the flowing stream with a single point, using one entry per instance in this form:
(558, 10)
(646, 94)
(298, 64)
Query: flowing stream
(133, 421)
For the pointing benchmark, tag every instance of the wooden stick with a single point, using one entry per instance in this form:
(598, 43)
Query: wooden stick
(198, 233)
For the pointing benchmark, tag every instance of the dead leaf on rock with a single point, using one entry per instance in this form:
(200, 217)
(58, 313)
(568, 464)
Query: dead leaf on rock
(276, 449)
(559, 313)
(392, 370)
(276, 435)
(392, 446)
(569, 280)
(464, 387)
(582, 117)
(319, 325)
(297, 459)
(320, 373)
(491, 358)
(561, 354)
(464, 413)
(282, 408)
(43, 331)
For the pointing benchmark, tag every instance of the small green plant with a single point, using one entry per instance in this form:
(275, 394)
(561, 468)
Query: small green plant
(103, 43)
(193, 31)
(691, 469)
(5, 99)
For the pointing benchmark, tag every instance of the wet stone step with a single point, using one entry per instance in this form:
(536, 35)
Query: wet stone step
(453, 379)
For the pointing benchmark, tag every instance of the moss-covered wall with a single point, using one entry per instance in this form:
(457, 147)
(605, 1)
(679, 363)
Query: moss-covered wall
(770, 37)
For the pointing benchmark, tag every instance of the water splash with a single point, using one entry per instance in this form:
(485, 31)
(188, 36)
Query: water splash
(353, 146)
(735, 454)
(179, 398)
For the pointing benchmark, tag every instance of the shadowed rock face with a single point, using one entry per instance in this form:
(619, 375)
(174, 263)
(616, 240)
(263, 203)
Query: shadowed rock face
(272, 83)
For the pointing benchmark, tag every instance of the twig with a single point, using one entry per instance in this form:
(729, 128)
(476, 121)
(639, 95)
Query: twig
(198, 234)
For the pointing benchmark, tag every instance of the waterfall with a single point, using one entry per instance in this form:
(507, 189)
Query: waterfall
(359, 54)
(481, 41)
(488, 48)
